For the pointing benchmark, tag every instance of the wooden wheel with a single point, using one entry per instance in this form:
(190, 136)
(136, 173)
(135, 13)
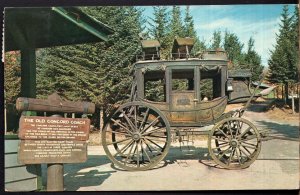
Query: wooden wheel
(136, 137)
(234, 143)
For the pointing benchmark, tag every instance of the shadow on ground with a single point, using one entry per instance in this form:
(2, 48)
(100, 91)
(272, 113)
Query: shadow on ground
(75, 177)
(261, 106)
(179, 155)
(278, 129)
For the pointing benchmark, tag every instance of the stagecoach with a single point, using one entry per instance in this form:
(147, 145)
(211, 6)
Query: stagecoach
(168, 99)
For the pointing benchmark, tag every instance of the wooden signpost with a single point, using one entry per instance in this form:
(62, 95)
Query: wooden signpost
(53, 140)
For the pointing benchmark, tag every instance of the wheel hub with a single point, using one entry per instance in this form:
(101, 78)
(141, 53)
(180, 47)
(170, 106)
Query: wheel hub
(136, 136)
(234, 143)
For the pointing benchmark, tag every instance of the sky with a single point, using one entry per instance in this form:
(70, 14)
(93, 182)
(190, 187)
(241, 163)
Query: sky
(259, 21)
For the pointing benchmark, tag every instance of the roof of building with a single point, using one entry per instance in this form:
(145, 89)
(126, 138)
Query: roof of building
(40, 27)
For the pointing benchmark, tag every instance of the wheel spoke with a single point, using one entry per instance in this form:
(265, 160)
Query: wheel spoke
(135, 116)
(127, 157)
(248, 146)
(145, 152)
(153, 122)
(149, 146)
(144, 119)
(220, 147)
(124, 148)
(218, 139)
(245, 153)
(238, 155)
(223, 133)
(223, 153)
(246, 131)
(154, 144)
(153, 130)
(246, 149)
(130, 132)
(238, 128)
(118, 132)
(138, 154)
(119, 141)
(220, 144)
(248, 143)
(230, 157)
(153, 139)
(251, 137)
(229, 127)
(128, 121)
(164, 137)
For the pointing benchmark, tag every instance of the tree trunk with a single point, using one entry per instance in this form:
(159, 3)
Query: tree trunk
(286, 90)
(282, 93)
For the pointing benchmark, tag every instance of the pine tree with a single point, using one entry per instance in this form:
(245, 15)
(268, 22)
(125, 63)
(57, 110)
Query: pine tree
(216, 40)
(189, 30)
(160, 29)
(233, 48)
(283, 60)
(295, 40)
(176, 26)
(12, 76)
(97, 72)
(253, 61)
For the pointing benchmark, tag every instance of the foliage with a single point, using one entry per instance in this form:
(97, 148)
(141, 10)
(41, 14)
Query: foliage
(253, 61)
(160, 29)
(97, 72)
(176, 26)
(233, 47)
(284, 58)
(12, 76)
(154, 90)
(216, 40)
(189, 31)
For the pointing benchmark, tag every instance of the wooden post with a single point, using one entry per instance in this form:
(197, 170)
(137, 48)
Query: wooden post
(55, 177)
(28, 73)
(5, 117)
(55, 174)
(293, 103)
(101, 122)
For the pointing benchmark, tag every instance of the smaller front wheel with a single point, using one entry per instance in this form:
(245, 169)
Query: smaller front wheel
(234, 143)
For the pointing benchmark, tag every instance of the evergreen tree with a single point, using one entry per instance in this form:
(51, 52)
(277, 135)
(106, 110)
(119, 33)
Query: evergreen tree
(233, 48)
(12, 76)
(189, 30)
(283, 60)
(253, 61)
(176, 26)
(216, 40)
(97, 72)
(295, 40)
(160, 29)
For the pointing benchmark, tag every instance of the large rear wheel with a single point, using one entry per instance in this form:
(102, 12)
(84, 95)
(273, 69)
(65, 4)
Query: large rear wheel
(136, 137)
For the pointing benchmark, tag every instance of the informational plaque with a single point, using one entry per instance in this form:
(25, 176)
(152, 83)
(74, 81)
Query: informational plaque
(53, 140)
